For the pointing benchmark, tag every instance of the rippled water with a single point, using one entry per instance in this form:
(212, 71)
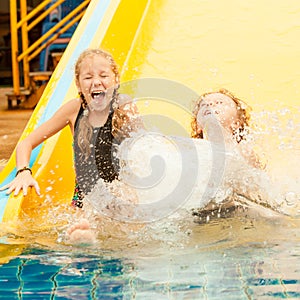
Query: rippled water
(233, 258)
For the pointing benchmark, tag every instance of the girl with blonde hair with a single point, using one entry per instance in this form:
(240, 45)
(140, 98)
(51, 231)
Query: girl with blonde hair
(98, 119)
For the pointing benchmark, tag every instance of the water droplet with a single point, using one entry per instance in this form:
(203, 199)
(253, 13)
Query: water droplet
(49, 188)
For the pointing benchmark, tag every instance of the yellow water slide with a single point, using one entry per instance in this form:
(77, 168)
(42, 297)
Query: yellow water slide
(112, 25)
(181, 48)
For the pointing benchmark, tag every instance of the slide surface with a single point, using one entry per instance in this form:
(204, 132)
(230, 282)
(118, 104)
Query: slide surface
(173, 50)
(52, 162)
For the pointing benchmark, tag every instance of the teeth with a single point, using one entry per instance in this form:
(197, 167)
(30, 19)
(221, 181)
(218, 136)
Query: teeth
(97, 94)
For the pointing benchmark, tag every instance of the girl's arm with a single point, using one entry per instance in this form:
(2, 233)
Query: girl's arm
(250, 155)
(64, 116)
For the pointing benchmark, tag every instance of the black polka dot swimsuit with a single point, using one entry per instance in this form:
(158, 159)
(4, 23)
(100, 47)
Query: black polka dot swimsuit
(101, 163)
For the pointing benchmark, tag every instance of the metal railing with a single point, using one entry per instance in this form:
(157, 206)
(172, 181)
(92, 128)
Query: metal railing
(24, 25)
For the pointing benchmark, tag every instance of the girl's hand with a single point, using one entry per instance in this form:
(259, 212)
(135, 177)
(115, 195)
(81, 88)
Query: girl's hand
(21, 182)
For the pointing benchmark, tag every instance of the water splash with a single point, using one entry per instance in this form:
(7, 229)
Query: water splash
(167, 183)
(152, 188)
(277, 136)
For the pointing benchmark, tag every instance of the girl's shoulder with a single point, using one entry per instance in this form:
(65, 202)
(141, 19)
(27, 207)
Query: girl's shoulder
(69, 110)
(73, 104)
(71, 107)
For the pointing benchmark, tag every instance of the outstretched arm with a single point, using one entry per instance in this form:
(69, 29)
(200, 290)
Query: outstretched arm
(24, 179)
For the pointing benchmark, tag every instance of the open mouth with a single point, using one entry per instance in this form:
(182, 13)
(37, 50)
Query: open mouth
(97, 95)
(211, 112)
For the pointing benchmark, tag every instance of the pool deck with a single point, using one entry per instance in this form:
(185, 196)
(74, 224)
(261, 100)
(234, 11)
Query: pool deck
(12, 124)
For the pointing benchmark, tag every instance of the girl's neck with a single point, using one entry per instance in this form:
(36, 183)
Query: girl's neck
(98, 118)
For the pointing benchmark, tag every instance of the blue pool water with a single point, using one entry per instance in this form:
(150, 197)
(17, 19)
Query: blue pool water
(234, 258)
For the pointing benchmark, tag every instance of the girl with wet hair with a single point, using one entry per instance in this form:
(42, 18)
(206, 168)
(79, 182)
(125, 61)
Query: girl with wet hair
(99, 118)
(230, 115)
(242, 114)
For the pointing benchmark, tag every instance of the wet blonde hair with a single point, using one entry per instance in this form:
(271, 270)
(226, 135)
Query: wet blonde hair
(85, 129)
(243, 111)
